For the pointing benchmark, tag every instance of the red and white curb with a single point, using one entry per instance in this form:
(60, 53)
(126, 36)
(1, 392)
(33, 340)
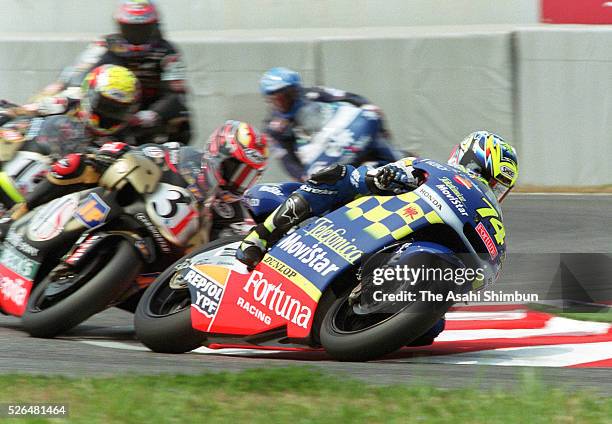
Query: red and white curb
(505, 335)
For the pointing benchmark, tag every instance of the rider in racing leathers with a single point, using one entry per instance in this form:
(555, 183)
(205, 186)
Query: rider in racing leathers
(236, 156)
(482, 154)
(140, 47)
(316, 127)
(110, 97)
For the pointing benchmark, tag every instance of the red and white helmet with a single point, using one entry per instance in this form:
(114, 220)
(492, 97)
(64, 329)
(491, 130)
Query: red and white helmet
(138, 21)
(235, 157)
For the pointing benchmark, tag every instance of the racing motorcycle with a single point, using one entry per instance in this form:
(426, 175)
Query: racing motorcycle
(331, 131)
(81, 253)
(317, 285)
(24, 161)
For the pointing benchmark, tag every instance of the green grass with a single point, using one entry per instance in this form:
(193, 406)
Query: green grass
(298, 395)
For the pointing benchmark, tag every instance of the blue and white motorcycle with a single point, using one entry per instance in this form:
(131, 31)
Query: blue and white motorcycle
(333, 282)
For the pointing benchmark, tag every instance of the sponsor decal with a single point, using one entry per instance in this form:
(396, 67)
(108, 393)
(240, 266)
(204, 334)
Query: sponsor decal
(488, 241)
(315, 190)
(456, 202)
(208, 294)
(507, 171)
(274, 189)
(49, 221)
(313, 256)
(254, 311)
(437, 165)
(81, 249)
(410, 212)
(325, 232)
(426, 194)
(14, 290)
(16, 240)
(18, 263)
(93, 212)
(452, 187)
(159, 239)
(465, 182)
(281, 267)
(276, 300)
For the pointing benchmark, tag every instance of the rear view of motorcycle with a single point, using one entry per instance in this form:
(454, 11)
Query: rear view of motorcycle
(334, 281)
(79, 254)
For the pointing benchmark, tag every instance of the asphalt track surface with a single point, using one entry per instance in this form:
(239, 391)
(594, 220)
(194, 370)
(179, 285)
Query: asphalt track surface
(535, 224)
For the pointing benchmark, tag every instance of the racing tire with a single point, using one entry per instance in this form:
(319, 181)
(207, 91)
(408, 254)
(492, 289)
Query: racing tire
(111, 270)
(166, 328)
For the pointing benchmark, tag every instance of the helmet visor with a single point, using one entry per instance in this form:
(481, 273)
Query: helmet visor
(139, 33)
(111, 109)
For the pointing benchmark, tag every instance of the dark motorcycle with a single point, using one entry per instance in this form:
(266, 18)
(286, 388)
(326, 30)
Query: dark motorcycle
(79, 254)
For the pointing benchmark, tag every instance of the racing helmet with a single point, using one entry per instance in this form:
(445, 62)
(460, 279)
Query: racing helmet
(110, 96)
(138, 21)
(283, 90)
(235, 157)
(489, 157)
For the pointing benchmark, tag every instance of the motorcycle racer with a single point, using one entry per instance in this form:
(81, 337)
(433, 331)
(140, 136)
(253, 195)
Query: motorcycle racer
(482, 154)
(315, 127)
(139, 46)
(235, 157)
(110, 96)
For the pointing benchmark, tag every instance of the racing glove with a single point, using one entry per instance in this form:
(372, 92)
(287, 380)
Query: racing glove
(145, 119)
(396, 178)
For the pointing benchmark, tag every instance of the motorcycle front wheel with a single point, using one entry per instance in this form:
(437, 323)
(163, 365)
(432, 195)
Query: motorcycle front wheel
(348, 335)
(63, 300)
(163, 317)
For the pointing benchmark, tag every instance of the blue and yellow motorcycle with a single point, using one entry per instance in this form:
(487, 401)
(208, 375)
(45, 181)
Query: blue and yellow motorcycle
(361, 281)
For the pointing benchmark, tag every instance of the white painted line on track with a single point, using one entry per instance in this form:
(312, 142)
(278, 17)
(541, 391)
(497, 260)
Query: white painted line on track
(562, 355)
(200, 350)
(555, 326)
(484, 316)
(115, 345)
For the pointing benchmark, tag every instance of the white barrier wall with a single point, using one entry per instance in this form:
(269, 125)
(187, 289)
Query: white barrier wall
(548, 90)
(435, 88)
(199, 15)
(564, 118)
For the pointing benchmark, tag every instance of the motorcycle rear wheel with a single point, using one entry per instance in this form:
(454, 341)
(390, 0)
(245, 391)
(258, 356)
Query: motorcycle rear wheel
(101, 281)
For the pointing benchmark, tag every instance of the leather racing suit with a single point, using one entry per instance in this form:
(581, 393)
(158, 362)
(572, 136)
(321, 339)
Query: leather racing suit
(327, 126)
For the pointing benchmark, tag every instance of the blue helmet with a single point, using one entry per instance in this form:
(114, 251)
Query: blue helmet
(276, 79)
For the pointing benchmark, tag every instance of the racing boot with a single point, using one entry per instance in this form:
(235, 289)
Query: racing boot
(289, 214)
